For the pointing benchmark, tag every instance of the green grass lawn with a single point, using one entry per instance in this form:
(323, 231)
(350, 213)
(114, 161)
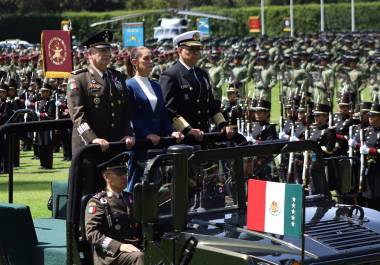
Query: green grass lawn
(32, 184)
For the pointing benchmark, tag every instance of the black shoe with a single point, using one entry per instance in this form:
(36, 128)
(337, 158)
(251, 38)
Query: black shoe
(50, 203)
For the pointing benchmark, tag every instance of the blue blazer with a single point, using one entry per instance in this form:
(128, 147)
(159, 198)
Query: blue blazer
(145, 120)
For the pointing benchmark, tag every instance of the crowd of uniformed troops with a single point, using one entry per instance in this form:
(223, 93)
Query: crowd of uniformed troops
(311, 72)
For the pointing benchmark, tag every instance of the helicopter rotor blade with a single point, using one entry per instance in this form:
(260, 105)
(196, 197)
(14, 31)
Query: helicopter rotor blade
(118, 18)
(201, 14)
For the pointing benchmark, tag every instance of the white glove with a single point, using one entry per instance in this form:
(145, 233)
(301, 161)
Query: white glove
(38, 114)
(250, 139)
(293, 139)
(352, 142)
(364, 150)
(283, 136)
(58, 103)
(27, 103)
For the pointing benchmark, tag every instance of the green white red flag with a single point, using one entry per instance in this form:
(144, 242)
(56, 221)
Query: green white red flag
(275, 207)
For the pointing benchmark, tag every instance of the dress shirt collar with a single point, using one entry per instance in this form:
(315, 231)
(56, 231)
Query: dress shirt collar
(98, 71)
(184, 64)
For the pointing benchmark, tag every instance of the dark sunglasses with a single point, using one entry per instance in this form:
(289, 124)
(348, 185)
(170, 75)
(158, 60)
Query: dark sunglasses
(192, 48)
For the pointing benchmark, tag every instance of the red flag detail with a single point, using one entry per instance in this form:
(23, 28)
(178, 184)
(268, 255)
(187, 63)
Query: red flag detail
(256, 205)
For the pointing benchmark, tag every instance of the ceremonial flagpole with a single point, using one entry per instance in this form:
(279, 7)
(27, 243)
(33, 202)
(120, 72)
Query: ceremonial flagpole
(352, 15)
(303, 227)
(322, 16)
(291, 19)
(262, 18)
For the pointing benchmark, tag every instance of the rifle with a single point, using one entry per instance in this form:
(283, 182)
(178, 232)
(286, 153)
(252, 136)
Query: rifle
(56, 106)
(362, 162)
(350, 149)
(238, 125)
(305, 161)
(36, 107)
(291, 158)
(26, 107)
(281, 97)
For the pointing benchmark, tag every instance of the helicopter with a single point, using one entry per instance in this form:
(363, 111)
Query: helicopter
(167, 28)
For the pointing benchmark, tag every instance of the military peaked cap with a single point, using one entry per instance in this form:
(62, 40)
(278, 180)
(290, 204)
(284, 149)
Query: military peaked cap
(263, 105)
(117, 164)
(365, 106)
(321, 109)
(100, 40)
(189, 38)
(375, 109)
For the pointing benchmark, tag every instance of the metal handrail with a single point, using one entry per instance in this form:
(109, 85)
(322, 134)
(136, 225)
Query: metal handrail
(9, 129)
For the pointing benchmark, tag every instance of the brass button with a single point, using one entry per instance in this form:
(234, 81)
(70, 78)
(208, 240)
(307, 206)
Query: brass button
(112, 125)
(199, 123)
(199, 112)
(112, 104)
(113, 114)
(197, 100)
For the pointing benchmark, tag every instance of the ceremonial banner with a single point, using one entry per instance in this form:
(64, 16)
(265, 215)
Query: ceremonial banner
(133, 34)
(275, 207)
(56, 53)
(204, 26)
(254, 24)
(286, 24)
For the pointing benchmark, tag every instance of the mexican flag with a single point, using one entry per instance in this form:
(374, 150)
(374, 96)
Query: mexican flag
(274, 207)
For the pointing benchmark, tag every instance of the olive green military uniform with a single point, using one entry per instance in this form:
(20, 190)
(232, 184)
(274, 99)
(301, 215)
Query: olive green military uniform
(109, 224)
(374, 80)
(240, 78)
(264, 78)
(98, 107)
(157, 70)
(323, 82)
(216, 73)
(299, 81)
(351, 81)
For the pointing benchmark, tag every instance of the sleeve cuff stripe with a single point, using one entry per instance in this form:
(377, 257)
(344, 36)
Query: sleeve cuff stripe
(105, 243)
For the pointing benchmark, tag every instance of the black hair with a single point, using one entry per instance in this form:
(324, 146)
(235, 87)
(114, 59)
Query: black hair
(133, 54)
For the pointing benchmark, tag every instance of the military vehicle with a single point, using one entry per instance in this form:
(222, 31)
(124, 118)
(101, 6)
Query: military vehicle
(334, 233)
(192, 215)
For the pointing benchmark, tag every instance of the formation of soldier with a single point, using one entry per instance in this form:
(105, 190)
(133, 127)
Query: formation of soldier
(28, 98)
(311, 71)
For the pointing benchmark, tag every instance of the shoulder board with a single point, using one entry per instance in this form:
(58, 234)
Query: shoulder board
(99, 195)
(273, 124)
(79, 71)
(331, 127)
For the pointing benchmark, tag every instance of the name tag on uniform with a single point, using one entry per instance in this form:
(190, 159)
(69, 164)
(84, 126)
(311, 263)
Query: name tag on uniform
(186, 86)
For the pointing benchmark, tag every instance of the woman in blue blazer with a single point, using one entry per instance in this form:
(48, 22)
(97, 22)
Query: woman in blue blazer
(150, 119)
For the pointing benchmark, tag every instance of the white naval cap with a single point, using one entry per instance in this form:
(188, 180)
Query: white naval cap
(189, 38)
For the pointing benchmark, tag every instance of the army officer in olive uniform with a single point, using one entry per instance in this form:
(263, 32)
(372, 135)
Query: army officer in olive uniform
(97, 101)
(188, 93)
(110, 226)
